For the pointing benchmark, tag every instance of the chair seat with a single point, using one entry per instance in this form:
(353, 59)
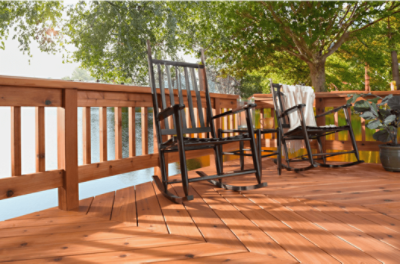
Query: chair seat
(316, 131)
(201, 143)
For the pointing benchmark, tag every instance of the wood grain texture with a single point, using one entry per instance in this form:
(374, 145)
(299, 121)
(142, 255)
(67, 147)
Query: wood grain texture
(132, 131)
(118, 132)
(16, 141)
(124, 208)
(103, 133)
(40, 139)
(145, 134)
(68, 194)
(86, 136)
(27, 96)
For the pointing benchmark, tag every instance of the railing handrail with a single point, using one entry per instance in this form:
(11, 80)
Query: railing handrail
(28, 82)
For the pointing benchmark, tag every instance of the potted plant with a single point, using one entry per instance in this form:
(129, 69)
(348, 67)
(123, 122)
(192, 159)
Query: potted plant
(384, 117)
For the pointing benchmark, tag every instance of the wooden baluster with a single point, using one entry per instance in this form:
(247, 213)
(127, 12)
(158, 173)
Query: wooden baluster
(132, 131)
(217, 112)
(320, 108)
(273, 123)
(262, 122)
(68, 194)
(197, 121)
(103, 133)
(145, 134)
(40, 139)
(118, 132)
(225, 122)
(86, 136)
(230, 122)
(16, 141)
(336, 118)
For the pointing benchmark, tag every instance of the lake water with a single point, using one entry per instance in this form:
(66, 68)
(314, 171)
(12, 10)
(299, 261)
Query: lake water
(25, 204)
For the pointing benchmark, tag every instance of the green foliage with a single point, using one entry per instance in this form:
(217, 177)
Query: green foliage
(110, 37)
(384, 116)
(246, 36)
(31, 21)
(80, 74)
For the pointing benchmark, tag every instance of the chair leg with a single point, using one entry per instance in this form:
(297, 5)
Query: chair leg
(286, 152)
(353, 142)
(320, 149)
(164, 175)
(279, 154)
(241, 155)
(259, 150)
(253, 147)
(220, 156)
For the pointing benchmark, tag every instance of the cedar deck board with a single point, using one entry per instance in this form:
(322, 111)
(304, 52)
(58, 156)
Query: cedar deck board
(328, 225)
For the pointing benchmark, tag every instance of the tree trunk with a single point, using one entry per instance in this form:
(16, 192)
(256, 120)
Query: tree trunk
(317, 74)
(395, 69)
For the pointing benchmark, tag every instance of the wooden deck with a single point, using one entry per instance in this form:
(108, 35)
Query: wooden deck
(347, 215)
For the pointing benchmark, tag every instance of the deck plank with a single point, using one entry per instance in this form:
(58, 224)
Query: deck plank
(151, 254)
(210, 225)
(124, 209)
(148, 209)
(84, 206)
(176, 217)
(147, 240)
(373, 247)
(245, 230)
(102, 206)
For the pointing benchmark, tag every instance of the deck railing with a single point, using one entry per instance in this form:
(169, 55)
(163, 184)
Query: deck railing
(67, 96)
(325, 101)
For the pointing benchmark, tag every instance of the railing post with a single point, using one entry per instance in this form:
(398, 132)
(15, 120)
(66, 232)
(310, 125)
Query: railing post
(68, 194)
(320, 108)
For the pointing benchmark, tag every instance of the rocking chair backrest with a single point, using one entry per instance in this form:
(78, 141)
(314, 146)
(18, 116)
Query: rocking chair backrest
(279, 104)
(180, 83)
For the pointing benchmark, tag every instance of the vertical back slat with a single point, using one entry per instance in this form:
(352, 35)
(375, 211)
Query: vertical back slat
(118, 132)
(198, 97)
(161, 84)
(16, 141)
(132, 131)
(180, 95)
(145, 134)
(171, 91)
(189, 97)
(103, 133)
(86, 139)
(40, 139)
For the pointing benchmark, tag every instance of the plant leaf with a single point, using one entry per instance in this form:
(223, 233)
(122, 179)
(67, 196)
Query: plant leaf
(374, 124)
(374, 109)
(368, 115)
(386, 99)
(353, 98)
(362, 106)
(382, 135)
(373, 100)
(389, 119)
(394, 103)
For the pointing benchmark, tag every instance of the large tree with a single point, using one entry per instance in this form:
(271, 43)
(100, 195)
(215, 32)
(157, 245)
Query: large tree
(110, 37)
(246, 35)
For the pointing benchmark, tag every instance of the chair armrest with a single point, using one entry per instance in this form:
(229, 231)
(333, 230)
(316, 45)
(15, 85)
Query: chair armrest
(235, 111)
(334, 110)
(169, 111)
(292, 109)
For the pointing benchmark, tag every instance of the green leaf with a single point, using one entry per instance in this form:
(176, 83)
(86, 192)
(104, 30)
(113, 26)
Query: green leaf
(394, 103)
(386, 99)
(389, 119)
(373, 100)
(374, 124)
(362, 106)
(374, 109)
(368, 115)
(382, 135)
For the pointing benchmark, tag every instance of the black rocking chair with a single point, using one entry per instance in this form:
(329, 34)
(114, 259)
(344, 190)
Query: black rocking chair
(306, 133)
(182, 77)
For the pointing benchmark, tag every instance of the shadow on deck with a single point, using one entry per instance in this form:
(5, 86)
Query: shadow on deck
(347, 215)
